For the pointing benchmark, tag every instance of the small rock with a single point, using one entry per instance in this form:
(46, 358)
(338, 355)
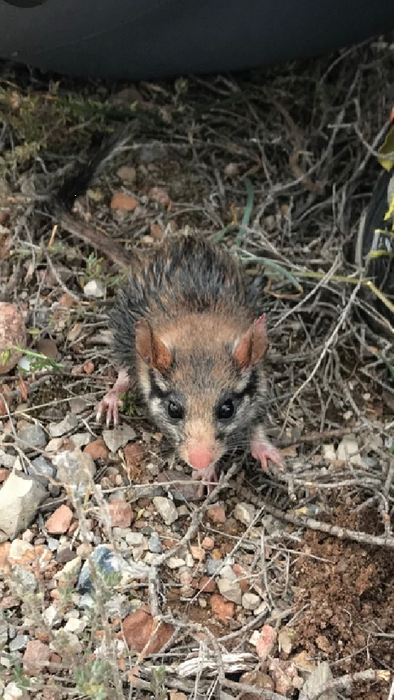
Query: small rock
(13, 692)
(217, 514)
(80, 439)
(119, 437)
(84, 550)
(221, 608)
(250, 601)
(206, 585)
(213, 567)
(318, 678)
(197, 553)
(258, 679)
(134, 454)
(12, 333)
(3, 634)
(69, 571)
(175, 562)
(230, 590)
(67, 425)
(59, 522)
(349, 451)
(65, 554)
(41, 466)
(262, 608)
(7, 460)
(105, 561)
(78, 404)
(154, 543)
(51, 615)
(285, 676)
(65, 642)
(160, 195)
(75, 469)
(20, 550)
(241, 575)
(142, 633)
(329, 453)
(208, 543)
(20, 498)
(19, 642)
(227, 571)
(47, 347)
(156, 232)
(285, 642)
(123, 201)
(32, 435)
(266, 641)
(151, 152)
(36, 657)
(97, 449)
(120, 513)
(127, 173)
(75, 625)
(166, 509)
(135, 539)
(245, 513)
(94, 289)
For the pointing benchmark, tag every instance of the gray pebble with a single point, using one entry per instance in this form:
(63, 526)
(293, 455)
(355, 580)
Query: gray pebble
(19, 643)
(3, 635)
(154, 543)
(135, 539)
(32, 435)
(119, 437)
(41, 466)
(66, 425)
(230, 590)
(166, 509)
(213, 567)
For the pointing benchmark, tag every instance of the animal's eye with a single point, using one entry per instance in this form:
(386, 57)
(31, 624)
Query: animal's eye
(174, 410)
(226, 410)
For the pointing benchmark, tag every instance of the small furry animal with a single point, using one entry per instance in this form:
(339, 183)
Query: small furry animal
(188, 329)
(185, 327)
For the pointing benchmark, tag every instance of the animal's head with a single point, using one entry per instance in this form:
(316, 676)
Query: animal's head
(201, 380)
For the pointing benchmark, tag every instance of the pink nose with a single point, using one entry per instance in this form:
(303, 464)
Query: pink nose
(200, 458)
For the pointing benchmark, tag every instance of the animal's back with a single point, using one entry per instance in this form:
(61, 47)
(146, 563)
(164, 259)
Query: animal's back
(183, 277)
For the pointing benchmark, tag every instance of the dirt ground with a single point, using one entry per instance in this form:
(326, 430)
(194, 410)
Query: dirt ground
(278, 165)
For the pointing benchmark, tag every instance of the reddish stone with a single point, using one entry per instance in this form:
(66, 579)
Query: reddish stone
(120, 513)
(217, 514)
(240, 573)
(134, 454)
(142, 633)
(36, 657)
(266, 641)
(222, 609)
(156, 232)
(121, 200)
(59, 521)
(4, 473)
(97, 449)
(206, 585)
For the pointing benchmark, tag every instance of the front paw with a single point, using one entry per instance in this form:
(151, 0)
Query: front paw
(109, 407)
(264, 451)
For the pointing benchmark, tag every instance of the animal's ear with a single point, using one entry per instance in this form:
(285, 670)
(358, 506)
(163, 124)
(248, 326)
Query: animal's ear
(253, 345)
(150, 348)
